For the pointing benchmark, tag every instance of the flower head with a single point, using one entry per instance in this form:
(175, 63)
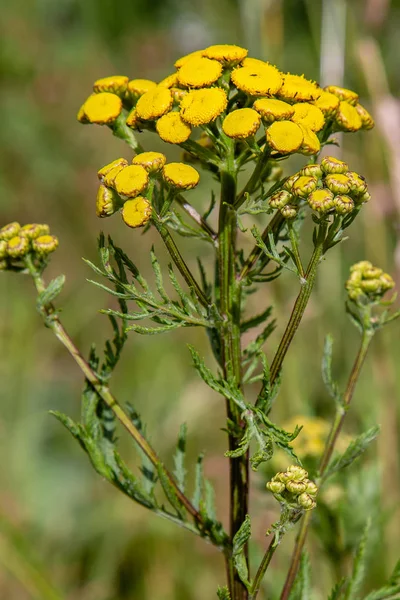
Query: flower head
(34, 230)
(138, 87)
(132, 120)
(347, 117)
(366, 119)
(241, 123)
(154, 103)
(116, 84)
(199, 72)
(327, 102)
(289, 211)
(285, 137)
(308, 115)
(184, 59)
(107, 201)
(169, 81)
(102, 108)
(181, 176)
(298, 88)
(136, 212)
(9, 231)
(321, 200)
(45, 244)
(115, 164)
(343, 94)
(257, 81)
(200, 107)
(311, 143)
(131, 181)
(343, 204)
(367, 280)
(358, 185)
(17, 246)
(280, 199)
(226, 53)
(312, 170)
(273, 110)
(151, 161)
(330, 164)
(339, 184)
(172, 128)
(304, 185)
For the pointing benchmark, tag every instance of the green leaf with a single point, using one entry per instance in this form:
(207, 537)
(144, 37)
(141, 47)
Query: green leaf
(389, 591)
(131, 485)
(328, 380)
(357, 575)
(198, 482)
(158, 277)
(338, 590)
(51, 292)
(209, 502)
(223, 593)
(170, 492)
(74, 428)
(239, 558)
(352, 452)
(256, 320)
(179, 458)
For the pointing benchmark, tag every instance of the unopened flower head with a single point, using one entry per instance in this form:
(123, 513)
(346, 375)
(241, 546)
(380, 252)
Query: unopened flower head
(358, 184)
(298, 473)
(289, 211)
(200, 107)
(225, 53)
(338, 184)
(199, 72)
(181, 176)
(272, 109)
(328, 103)
(173, 129)
(321, 200)
(108, 173)
(45, 244)
(257, 81)
(304, 185)
(102, 108)
(343, 204)
(296, 487)
(366, 119)
(347, 118)
(311, 144)
(331, 165)
(285, 137)
(276, 487)
(280, 199)
(241, 123)
(154, 103)
(136, 212)
(132, 120)
(151, 161)
(311, 171)
(367, 281)
(343, 94)
(116, 84)
(9, 231)
(288, 185)
(131, 181)
(17, 246)
(34, 230)
(107, 201)
(306, 501)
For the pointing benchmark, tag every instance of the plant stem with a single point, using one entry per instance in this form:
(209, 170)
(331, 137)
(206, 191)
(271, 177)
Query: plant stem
(229, 297)
(295, 249)
(255, 178)
(179, 262)
(329, 448)
(52, 321)
(262, 568)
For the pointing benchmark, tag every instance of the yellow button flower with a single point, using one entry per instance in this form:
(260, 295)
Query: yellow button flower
(289, 211)
(257, 81)
(119, 162)
(311, 144)
(34, 230)
(327, 102)
(304, 185)
(347, 117)
(297, 87)
(172, 128)
(107, 201)
(181, 176)
(102, 108)
(200, 107)
(199, 72)
(366, 119)
(321, 200)
(254, 63)
(183, 60)
(285, 137)
(343, 204)
(131, 181)
(338, 183)
(241, 123)
(138, 87)
(151, 161)
(308, 115)
(343, 94)
(17, 246)
(169, 81)
(312, 171)
(226, 53)
(109, 178)
(280, 199)
(154, 103)
(357, 184)
(9, 231)
(137, 212)
(273, 110)
(116, 84)
(45, 244)
(132, 119)
(330, 164)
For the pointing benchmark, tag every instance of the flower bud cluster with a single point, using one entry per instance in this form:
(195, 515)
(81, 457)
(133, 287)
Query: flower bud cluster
(328, 187)
(293, 488)
(16, 242)
(367, 281)
(222, 82)
(128, 187)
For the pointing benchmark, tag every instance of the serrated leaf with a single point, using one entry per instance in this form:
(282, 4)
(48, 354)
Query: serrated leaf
(328, 380)
(389, 591)
(256, 320)
(239, 558)
(352, 452)
(223, 593)
(209, 501)
(152, 330)
(170, 492)
(179, 458)
(51, 292)
(357, 575)
(74, 428)
(131, 485)
(198, 482)
(338, 590)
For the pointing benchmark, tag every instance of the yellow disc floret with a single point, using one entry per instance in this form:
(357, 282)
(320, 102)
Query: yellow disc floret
(116, 84)
(183, 60)
(308, 115)
(241, 123)
(273, 110)
(327, 102)
(285, 137)
(17, 246)
(151, 161)
(137, 212)
(200, 107)
(34, 230)
(343, 94)
(181, 176)
(102, 108)
(297, 87)
(45, 244)
(225, 53)
(154, 103)
(347, 117)
(138, 87)
(199, 72)
(172, 128)
(257, 81)
(131, 181)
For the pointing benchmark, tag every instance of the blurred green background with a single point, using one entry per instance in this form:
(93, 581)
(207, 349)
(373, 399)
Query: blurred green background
(64, 533)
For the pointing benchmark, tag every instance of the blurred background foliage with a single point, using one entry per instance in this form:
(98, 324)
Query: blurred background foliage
(64, 533)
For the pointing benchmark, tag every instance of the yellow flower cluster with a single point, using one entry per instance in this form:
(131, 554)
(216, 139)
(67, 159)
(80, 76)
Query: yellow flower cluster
(222, 82)
(367, 280)
(122, 185)
(327, 187)
(292, 487)
(16, 242)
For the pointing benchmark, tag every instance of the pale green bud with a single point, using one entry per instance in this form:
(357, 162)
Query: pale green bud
(343, 204)
(296, 487)
(288, 211)
(276, 487)
(280, 199)
(330, 164)
(304, 185)
(297, 472)
(306, 501)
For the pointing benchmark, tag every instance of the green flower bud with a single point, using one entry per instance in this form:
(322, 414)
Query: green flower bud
(283, 477)
(321, 200)
(372, 273)
(311, 171)
(45, 244)
(387, 282)
(288, 211)
(290, 181)
(330, 164)
(304, 185)
(339, 184)
(306, 502)
(17, 247)
(276, 487)
(311, 488)
(107, 202)
(370, 286)
(9, 231)
(34, 230)
(297, 473)
(357, 184)
(280, 199)
(366, 197)
(343, 204)
(296, 487)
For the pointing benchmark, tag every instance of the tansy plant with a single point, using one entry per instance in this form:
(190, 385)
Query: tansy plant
(232, 116)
